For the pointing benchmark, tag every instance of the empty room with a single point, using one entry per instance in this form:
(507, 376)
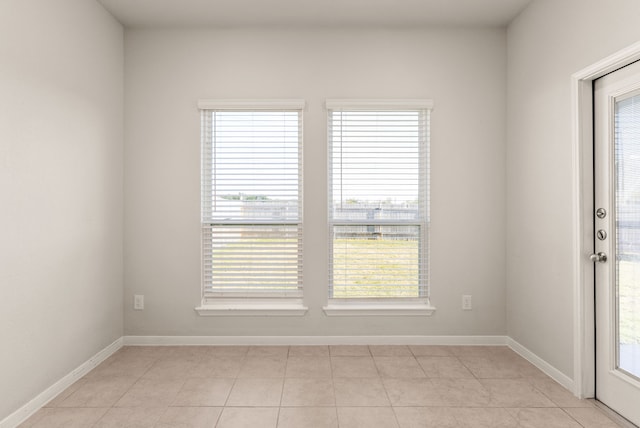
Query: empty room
(304, 213)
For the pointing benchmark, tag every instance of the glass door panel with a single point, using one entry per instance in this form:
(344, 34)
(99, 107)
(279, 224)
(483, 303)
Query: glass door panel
(627, 171)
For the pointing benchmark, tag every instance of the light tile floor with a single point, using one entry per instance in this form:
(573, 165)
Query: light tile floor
(317, 387)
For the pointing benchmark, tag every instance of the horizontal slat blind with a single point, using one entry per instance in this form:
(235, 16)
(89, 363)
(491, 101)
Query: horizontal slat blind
(252, 203)
(378, 202)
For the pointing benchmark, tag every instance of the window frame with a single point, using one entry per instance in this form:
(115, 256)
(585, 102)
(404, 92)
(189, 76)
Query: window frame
(254, 303)
(394, 306)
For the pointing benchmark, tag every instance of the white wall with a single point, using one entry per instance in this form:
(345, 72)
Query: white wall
(61, 80)
(167, 71)
(547, 43)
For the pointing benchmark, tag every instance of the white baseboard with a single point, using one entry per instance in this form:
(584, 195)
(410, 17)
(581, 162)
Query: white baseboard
(23, 413)
(50, 393)
(313, 340)
(547, 368)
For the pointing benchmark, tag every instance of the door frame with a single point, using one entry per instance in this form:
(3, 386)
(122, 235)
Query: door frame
(584, 368)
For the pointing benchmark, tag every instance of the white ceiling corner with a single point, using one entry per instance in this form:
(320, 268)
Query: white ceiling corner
(199, 13)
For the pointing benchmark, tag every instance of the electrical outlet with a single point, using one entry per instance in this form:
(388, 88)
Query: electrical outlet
(138, 302)
(466, 302)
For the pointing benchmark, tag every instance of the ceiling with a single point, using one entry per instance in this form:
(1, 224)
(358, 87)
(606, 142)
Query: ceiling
(198, 13)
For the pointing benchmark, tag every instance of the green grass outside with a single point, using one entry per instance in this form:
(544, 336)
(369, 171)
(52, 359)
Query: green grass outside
(391, 270)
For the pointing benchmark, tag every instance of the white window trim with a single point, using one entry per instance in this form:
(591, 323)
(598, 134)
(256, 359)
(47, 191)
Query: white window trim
(379, 307)
(254, 306)
(249, 104)
(359, 308)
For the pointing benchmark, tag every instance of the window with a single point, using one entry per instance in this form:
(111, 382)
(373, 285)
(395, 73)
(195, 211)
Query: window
(378, 201)
(251, 206)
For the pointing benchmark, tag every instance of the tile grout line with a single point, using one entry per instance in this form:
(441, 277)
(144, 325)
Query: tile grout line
(572, 418)
(235, 378)
(529, 380)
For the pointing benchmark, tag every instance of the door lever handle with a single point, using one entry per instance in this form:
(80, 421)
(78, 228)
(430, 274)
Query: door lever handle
(599, 258)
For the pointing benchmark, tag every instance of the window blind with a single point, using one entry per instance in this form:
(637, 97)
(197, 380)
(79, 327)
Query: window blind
(378, 202)
(251, 203)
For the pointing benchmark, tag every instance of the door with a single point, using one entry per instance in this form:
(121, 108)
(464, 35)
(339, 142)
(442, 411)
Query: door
(617, 240)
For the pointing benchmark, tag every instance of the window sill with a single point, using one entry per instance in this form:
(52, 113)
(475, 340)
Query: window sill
(274, 309)
(352, 309)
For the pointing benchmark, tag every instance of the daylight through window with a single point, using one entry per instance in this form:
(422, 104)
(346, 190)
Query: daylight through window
(252, 203)
(378, 202)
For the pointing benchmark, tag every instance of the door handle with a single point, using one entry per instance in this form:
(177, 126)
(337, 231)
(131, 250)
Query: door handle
(599, 258)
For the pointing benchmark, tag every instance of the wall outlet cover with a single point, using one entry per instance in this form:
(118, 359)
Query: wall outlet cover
(466, 302)
(138, 302)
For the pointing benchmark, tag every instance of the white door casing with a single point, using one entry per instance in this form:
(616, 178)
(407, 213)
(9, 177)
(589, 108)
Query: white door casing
(583, 382)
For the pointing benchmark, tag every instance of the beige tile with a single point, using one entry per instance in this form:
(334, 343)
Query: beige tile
(503, 352)
(591, 418)
(145, 351)
(484, 418)
(204, 392)
(130, 417)
(225, 367)
(430, 351)
(514, 393)
(461, 392)
(528, 370)
(353, 367)
(248, 417)
(186, 386)
(490, 368)
(188, 353)
(151, 393)
(398, 367)
(189, 417)
(66, 393)
(308, 392)
(116, 355)
(543, 418)
(64, 418)
(256, 392)
(512, 360)
(309, 367)
(159, 351)
(390, 351)
(268, 351)
(227, 351)
(360, 392)
(33, 419)
(100, 392)
(412, 392)
(349, 351)
(127, 365)
(557, 393)
(106, 363)
(308, 417)
(263, 367)
(366, 417)
(444, 367)
(170, 368)
(478, 351)
(309, 351)
(425, 417)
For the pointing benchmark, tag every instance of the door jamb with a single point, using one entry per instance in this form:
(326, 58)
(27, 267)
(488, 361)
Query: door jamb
(583, 207)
